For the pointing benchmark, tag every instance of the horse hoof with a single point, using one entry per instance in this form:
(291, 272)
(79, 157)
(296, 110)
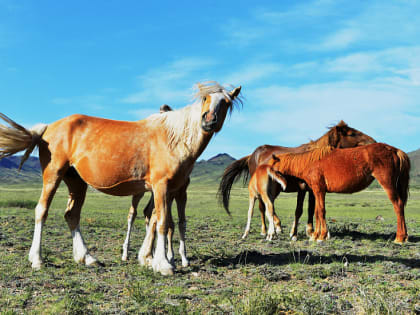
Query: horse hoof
(36, 264)
(263, 234)
(244, 236)
(164, 267)
(294, 238)
(185, 263)
(279, 230)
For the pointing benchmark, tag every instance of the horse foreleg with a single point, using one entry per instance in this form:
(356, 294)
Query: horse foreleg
(170, 233)
(311, 210)
(252, 198)
(132, 214)
(321, 231)
(51, 181)
(145, 256)
(298, 214)
(181, 202)
(160, 262)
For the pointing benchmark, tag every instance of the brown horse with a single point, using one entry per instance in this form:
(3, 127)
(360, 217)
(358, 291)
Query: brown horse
(120, 158)
(339, 136)
(257, 188)
(349, 171)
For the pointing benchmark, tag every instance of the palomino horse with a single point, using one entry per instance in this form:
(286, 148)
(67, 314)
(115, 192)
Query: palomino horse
(349, 171)
(339, 136)
(148, 211)
(258, 189)
(120, 158)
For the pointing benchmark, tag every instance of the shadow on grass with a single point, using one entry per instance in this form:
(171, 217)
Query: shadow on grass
(305, 257)
(356, 235)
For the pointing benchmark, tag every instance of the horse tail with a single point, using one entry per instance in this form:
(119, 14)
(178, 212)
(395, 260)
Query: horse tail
(403, 176)
(230, 175)
(278, 177)
(16, 138)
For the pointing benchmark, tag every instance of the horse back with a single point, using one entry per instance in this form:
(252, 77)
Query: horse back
(105, 153)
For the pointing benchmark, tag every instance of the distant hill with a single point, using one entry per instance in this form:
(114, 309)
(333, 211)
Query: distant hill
(204, 171)
(30, 172)
(415, 166)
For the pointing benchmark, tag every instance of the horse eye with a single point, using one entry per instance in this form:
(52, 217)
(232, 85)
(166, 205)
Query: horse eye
(204, 99)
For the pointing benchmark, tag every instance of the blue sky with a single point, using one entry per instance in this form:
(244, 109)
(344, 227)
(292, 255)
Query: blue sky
(303, 65)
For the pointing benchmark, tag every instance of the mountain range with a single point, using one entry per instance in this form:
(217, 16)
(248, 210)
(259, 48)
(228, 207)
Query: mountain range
(205, 171)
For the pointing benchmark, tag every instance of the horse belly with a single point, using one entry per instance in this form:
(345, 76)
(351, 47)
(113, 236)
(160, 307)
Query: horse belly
(348, 184)
(128, 188)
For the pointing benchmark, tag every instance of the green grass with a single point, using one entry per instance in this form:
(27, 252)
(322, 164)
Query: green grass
(359, 270)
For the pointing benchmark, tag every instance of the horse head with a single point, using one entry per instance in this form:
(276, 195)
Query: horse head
(343, 136)
(216, 102)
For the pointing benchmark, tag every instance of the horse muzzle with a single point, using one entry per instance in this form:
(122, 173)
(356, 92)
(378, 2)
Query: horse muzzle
(206, 125)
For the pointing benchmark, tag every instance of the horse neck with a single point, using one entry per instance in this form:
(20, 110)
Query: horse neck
(184, 133)
(319, 143)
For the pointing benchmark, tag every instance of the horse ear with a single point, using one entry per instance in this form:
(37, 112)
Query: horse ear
(275, 158)
(235, 92)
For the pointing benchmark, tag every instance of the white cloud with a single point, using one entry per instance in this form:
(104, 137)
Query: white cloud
(340, 39)
(171, 83)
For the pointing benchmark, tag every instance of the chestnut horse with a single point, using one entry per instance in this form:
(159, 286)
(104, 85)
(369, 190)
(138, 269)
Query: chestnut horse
(348, 171)
(339, 136)
(258, 189)
(120, 158)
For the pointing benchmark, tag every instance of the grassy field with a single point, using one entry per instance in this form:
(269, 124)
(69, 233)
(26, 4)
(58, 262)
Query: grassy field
(358, 271)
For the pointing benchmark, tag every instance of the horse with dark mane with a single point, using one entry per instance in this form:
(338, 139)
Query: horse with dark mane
(348, 171)
(339, 136)
(120, 158)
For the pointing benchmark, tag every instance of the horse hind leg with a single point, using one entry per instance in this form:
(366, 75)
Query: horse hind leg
(298, 214)
(252, 199)
(387, 184)
(77, 193)
(51, 181)
(262, 213)
(132, 214)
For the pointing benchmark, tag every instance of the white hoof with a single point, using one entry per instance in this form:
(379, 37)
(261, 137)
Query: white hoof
(279, 229)
(163, 266)
(185, 263)
(294, 238)
(124, 258)
(145, 260)
(36, 264)
(244, 236)
(263, 234)
(90, 260)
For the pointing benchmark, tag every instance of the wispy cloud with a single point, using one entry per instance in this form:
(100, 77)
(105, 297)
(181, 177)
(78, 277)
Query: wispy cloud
(171, 83)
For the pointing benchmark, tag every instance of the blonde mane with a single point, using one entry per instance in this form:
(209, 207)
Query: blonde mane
(294, 163)
(184, 125)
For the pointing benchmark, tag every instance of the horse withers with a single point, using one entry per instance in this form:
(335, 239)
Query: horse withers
(120, 158)
(348, 171)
